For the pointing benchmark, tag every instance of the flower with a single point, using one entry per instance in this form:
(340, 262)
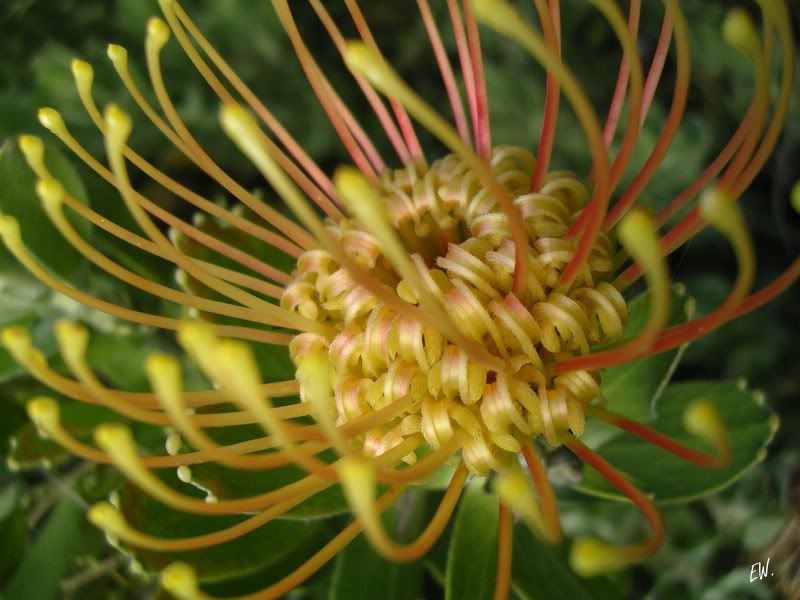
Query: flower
(438, 311)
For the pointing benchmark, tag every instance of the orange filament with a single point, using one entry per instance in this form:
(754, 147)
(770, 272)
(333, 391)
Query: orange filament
(277, 459)
(355, 127)
(385, 119)
(465, 61)
(483, 134)
(77, 391)
(768, 292)
(53, 429)
(674, 116)
(505, 542)
(158, 33)
(18, 342)
(445, 70)
(52, 121)
(257, 106)
(652, 436)
(116, 441)
(762, 60)
(628, 43)
(502, 17)
(118, 130)
(692, 223)
(725, 215)
(698, 184)
(657, 65)
(550, 18)
(233, 367)
(776, 13)
(53, 196)
(322, 90)
(165, 377)
(83, 80)
(703, 325)
(424, 467)
(313, 192)
(21, 253)
(180, 578)
(401, 115)
(639, 237)
(268, 289)
(590, 556)
(547, 497)
(109, 518)
(359, 489)
(617, 100)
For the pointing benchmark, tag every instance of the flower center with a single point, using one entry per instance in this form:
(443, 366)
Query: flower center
(460, 243)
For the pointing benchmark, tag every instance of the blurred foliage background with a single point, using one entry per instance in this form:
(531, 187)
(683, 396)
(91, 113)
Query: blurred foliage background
(48, 550)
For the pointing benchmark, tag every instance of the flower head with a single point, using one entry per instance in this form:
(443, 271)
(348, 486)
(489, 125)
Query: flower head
(454, 311)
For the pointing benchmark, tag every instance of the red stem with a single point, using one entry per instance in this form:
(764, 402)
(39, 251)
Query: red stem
(466, 64)
(662, 441)
(547, 496)
(445, 70)
(711, 171)
(483, 131)
(630, 491)
(664, 140)
(551, 23)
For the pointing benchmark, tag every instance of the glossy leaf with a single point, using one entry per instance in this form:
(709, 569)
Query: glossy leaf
(277, 572)
(39, 574)
(30, 451)
(750, 426)
(119, 359)
(540, 572)
(361, 573)
(20, 297)
(472, 559)
(13, 529)
(633, 388)
(12, 418)
(231, 483)
(42, 333)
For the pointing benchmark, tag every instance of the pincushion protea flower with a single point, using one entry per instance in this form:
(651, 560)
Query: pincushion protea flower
(438, 311)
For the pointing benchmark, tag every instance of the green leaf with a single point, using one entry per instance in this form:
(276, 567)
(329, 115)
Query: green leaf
(120, 359)
(472, 560)
(240, 557)
(361, 573)
(12, 417)
(435, 560)
(30, 451)
(42, 333)
(18, 198)
(539, 572)
(39, 575)
(750, 425)
(13, 529)
(440, 478)
(20, 297)
(273, 362)
(275, 573)
(232, 483)
(633, 388)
